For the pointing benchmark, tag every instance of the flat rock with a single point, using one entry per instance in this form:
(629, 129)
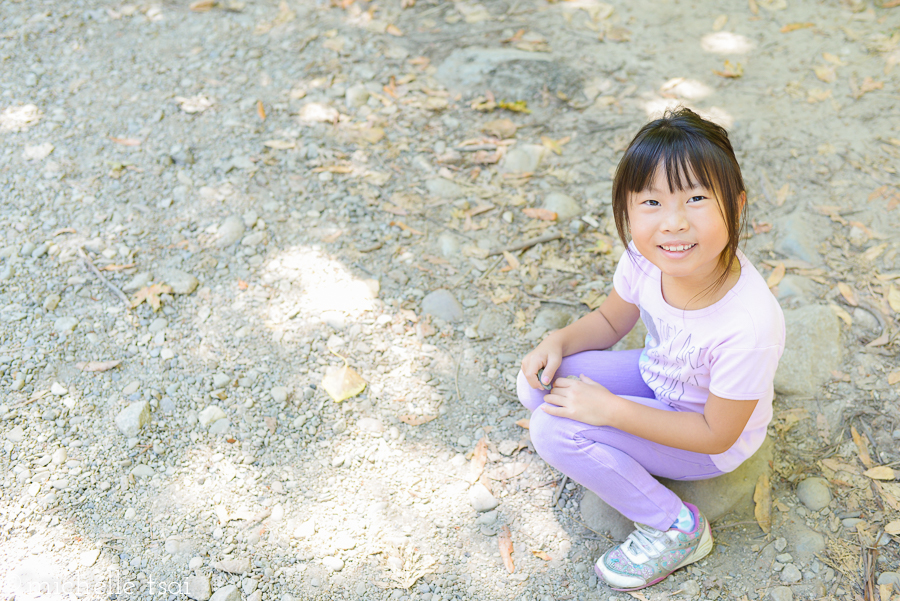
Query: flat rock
(563, 205)
(180, 281)
(800, 234)
(805, 542)
(812, 351)
(142, 470)
(140, 280)
(197, 588)
(715, 497)
(230, 231)
(233, 566)
(279, 394)
(16, 434)
(227, 593)
(481, 498)
(892, 578)
(89, 558)
(814, 493)
(523, 159)
(781, 593)
(444, 188)
(441, 303)
(334, 564)
(132, 418)
(210, 415)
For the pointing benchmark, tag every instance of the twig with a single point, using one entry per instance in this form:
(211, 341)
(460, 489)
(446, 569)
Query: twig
(491, 268)
(527, 243)
(458, 362)
(90, 265)
(586, 527)
(557, 301)
(559, 489)
(720, 526)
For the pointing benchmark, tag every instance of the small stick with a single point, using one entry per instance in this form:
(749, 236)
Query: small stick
(559, 489)
(527, 243)
(92, 267)
(458, 395)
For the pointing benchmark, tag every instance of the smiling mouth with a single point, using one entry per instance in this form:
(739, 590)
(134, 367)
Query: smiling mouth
(677, 247)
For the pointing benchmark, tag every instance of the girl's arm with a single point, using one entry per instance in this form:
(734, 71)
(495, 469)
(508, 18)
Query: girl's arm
(711, 432)
(599, 329)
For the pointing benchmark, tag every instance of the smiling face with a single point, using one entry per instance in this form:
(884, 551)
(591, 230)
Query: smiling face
(681, 231)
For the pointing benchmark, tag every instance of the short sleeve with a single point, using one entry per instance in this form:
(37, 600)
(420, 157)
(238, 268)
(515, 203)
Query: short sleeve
(743, 374)
(624, 280)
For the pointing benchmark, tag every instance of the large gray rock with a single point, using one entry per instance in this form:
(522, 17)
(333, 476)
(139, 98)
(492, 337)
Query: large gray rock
(814, 493)
(444, 188)
(132, 418)
(563, 205)
(441, 303)
(800, 234)
(715, 497)
(805, 543)
(812, 350)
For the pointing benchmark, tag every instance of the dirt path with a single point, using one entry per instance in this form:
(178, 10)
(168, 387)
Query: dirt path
(283, 182)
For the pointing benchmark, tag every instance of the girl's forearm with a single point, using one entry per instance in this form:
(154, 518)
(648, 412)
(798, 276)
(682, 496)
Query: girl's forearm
(684, 430)
(590, 332)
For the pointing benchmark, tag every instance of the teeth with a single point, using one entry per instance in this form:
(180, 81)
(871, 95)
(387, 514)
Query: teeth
(678, 248)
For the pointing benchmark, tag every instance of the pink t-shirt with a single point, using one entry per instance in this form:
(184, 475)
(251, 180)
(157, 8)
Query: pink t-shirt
(730, 348)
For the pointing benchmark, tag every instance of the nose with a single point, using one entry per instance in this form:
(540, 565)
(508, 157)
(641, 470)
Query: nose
(674, 220)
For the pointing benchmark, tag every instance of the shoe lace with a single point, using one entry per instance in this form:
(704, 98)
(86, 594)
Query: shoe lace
(646, 541)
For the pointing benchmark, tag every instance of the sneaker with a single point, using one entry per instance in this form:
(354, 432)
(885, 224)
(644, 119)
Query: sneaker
(649, 555)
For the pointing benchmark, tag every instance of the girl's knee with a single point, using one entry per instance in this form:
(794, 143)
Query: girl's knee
(528, 396)
(550, 436)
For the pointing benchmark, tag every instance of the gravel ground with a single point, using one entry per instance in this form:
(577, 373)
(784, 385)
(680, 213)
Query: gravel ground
(289, 183)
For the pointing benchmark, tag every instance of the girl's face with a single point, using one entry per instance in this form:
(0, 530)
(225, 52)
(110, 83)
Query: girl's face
(683, 232)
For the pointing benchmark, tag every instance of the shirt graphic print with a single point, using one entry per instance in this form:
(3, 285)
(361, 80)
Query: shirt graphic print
(674, 367)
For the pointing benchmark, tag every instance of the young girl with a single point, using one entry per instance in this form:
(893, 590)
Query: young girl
(695, 401)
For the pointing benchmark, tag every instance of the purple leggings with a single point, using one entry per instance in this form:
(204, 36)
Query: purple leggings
(616, 465)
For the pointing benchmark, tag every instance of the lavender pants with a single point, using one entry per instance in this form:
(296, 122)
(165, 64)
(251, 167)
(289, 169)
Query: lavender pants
(617, 466)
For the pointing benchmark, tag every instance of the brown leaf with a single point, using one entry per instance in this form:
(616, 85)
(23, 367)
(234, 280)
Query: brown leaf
(479, 458)
(893, 298)
(416, 420)
(151, 295)
(393, 30)
(343, 383)
(795, 26)
(893, 528)
(541, 555)
(776, 276)
(881, 472)
(97, 365)
(202, 6)
(260, 110)
(271, 423)
(126, 141)
(762, 496)
(506, 548)
(512, 260)
(843, 315)
(523, 423)
(862, 447)
(731, 70)
(542, 214)
(848, 293)
(825, 73)
(893, 377)
(279, 144)
(501, 128)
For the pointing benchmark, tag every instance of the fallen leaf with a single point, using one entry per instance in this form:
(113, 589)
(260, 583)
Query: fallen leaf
(501, 128)
(271, 423)
(194, 104)
(893, 528)
(848, 293)
(513, 262)
(507, 471)
(519, 106)
(833, 59)
(893, 298)
(261, 110)
(720, 22)
(753, 6)
(417, 420)
(506, 548)
(479, 458)
(881, 472)
(280, 144)
(545, 557)
(842, 315)
(795, 26)
(150, 294)
(407, 228)
(202, 6)
(825, 73)
(342, 383)
(731, 70)
(96, 365)
(554, 146)
(542, 214)
(776, 276)
(891, 4)
(523, 423)
(862, 447)
(638, 595)
(762, 496)
(893, 377)
(393, 30)
(127, 141)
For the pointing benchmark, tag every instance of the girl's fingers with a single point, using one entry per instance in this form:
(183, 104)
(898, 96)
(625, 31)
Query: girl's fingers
(550, 368)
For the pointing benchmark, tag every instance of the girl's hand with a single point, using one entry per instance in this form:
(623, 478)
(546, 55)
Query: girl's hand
(547, 355)
(582, 400)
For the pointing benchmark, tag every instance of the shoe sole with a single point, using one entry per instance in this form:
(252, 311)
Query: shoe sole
(703, 549)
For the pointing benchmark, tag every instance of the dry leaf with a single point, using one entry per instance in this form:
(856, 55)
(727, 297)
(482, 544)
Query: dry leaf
(202, 6)
(126, 141)
(393, 30)
(194, 104)
(720, 22)
(825, 73)
(343, 383)
(417, 420)
(542, 214)
(795, 26)
(762, 496)
(507, 471)
(862, 447)
(776, 276)
(96, 365)
(513, 262)
(545, 557)
(881, 472)
(523, 423)
(893, 528)
(501, 128)
(731, 70)
(506, 548)
(479, 458)
(849, 294)
(271, 423)
(280, 144)
(554, 146)
(519, 106)
(894, 377)
(843, 315)
(260, 110)
(893, 298)
(151, 295)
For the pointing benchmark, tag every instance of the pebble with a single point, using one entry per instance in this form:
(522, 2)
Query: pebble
(690, 589)
(227, 593)
(221, 380)
(233, 566)
(180, 281)
(449, 244)
(481, 498)
(58, 389)
(892, 578)
(334, 564)
(142, 471)
(195, 563)
(158, 325)
(59, 456)
(524, 158)
(197, 587)
(210, 415)
(814, 493)
(132, 418)
(130, 513)
(279, 394)
(230, 231)
(444, 188)
(306, 529)
(65, 325)
(781, 593)
(563, 205)
(51, 302)
(138, 281)
(131, 388)
(487, 518)
(89, 558)
(441, 303)
(356, 95)
(791, 574)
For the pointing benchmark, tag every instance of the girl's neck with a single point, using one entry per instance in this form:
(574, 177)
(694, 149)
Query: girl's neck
(684, 296)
